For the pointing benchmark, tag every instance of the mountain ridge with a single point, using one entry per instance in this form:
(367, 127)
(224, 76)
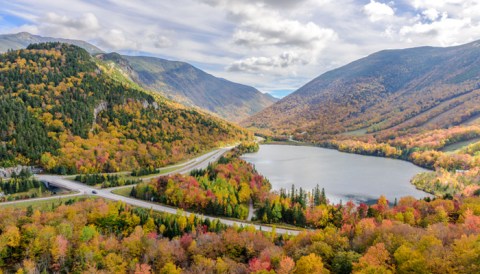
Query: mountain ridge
(380, 91)
(183, 82)
(179, 81)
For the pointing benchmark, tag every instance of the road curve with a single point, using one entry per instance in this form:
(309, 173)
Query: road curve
(197, 163)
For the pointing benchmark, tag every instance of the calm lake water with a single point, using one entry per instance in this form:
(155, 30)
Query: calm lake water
(344, 176)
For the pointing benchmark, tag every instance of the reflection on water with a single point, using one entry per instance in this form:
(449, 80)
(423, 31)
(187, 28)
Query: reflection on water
(344, 176)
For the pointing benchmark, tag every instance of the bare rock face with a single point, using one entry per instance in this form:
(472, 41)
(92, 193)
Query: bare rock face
(101, 107)
(7, 172)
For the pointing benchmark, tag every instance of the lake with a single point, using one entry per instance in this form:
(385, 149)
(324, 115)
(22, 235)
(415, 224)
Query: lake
(344, 176)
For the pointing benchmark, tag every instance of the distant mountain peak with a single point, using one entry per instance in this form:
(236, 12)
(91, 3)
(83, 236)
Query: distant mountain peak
(23, 39)
(24, 34)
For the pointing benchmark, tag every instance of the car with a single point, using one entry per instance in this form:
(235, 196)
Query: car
(94, 192)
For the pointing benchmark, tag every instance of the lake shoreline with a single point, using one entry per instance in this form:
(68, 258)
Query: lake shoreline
(300, 143)
(328, 146)
(404, 184)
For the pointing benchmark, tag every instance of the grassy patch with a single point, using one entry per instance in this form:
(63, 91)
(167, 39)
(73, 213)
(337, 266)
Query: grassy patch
(125, 191)
(358, 132)
(456, 146)
(168, 169)
(44, 204)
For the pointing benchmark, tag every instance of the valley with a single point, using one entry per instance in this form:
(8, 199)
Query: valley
(162, 179)
(417, 104)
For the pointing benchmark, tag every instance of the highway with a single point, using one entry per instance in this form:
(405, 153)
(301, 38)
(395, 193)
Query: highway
(197, 163)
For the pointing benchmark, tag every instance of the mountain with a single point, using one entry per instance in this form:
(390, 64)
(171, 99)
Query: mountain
(23, 39)
(191, 86)
(403, 90)
(178, 81)
(62, 110)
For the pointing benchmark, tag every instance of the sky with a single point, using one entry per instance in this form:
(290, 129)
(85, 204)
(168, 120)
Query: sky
(276, 46)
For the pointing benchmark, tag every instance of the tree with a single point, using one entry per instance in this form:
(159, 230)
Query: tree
(316, 196)
(286, 266)
(11, 236)
(115, 263)
(170, 268)
(143, 269)
(343, 261)
(410, 261)
(29, 211)
(466, 254)
(310, 264)
(88, 232)
(377, 258)
(323, 199)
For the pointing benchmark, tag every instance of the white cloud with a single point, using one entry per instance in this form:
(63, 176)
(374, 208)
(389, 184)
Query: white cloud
(271, 41)
(86, 22)
(431, 14)
(444, 23)
(160, 41)
(275, 31)
(446, 31)
(425, 4)
(84, 25)
(377, 11)
(259, 25)
(262, 64)
(116, 39)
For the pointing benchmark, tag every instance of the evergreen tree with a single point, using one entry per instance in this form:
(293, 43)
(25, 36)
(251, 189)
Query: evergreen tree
(323, 199)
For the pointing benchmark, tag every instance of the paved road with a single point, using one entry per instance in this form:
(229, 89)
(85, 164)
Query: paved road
(197, 163)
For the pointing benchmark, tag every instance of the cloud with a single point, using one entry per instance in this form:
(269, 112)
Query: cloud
(85, 27)
(116, 39)
(160, 41)
(270, 44)
(377, 11)
(446, 31)
(262, 64)
(274, 31)
(431, 14)
(86, 22)
(425, 4)
(444, 23)
(53, 24)
(269, 39)
(258, 25)
(281, 3)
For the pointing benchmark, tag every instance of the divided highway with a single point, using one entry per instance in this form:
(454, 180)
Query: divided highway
(197, 163)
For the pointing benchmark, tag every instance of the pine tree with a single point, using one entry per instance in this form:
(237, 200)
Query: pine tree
(316, 196)
(292, 193)
(323, 200)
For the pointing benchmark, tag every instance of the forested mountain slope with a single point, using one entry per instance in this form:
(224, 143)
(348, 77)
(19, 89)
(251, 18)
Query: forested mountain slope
(59, 110)
(410, 89)
(191, 86)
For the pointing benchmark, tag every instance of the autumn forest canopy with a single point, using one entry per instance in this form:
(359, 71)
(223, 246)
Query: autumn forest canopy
(61, 111)
(71, 113)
